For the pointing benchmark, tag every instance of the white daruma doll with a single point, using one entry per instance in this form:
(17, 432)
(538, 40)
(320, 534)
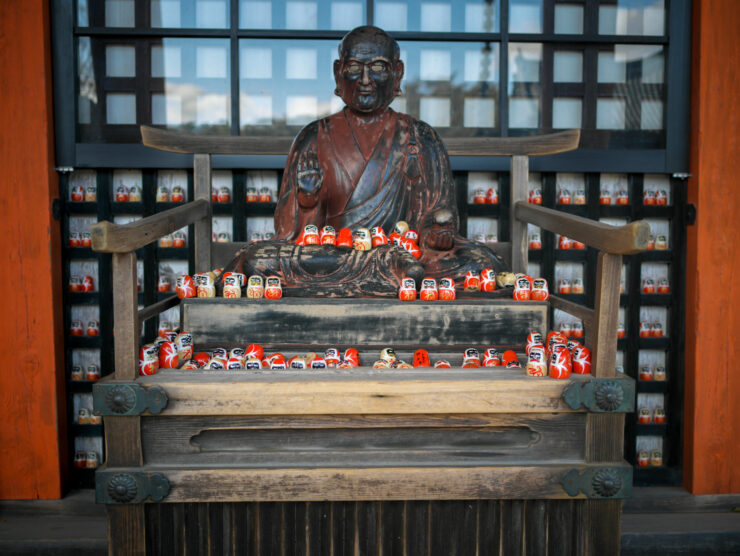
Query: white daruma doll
(255, 287)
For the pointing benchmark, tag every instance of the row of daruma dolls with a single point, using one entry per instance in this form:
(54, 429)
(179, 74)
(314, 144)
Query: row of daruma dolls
(526, 288)
(649, 197)
(203, 284)
(362, 239)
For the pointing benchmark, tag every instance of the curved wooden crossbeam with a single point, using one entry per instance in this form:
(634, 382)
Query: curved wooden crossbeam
(189, 143)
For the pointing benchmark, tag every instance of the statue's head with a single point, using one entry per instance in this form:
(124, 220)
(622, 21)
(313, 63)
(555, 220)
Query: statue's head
(369, 70)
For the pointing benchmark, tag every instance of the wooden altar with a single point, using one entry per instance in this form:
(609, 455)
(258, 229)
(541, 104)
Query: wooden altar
(364, 461)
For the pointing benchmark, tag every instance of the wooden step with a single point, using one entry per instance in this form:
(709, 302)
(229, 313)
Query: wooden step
(372, 323)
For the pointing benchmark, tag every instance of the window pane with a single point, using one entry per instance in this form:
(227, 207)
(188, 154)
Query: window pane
(524, 113)
(651, 114)
(441, 16)
(120, 61)
(166, 61)
(566, 113)
(567, 67)
(610, 114)
(435, 111)
(436, 17)
(569, 19)
(481, 17)
(632, 17)
(391, 16)
(346, 15)
(121, 108)
(119, 13)
(525, 16)
(202, 14)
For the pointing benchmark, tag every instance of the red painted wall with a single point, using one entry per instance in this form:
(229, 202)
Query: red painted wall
(712, 405)
(32, 402)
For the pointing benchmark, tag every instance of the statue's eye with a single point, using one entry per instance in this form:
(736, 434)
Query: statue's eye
(379, 67)
(354, 67)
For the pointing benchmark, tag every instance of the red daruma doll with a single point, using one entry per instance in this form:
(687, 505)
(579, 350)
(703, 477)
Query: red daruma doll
(472, 282)
(407, 291)
(447, 289)
(582, 361)
(184, 286)
(93, 328)
(328, 236)
(378, 237)
(487, 280)
(522, 290)
(311, 235)
(539, 290)
(560, 363)
(428, 290)
(273, 289)
(344, 238)
(88, 285)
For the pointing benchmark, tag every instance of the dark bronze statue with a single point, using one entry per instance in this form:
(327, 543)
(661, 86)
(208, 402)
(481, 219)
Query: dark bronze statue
(365, 166)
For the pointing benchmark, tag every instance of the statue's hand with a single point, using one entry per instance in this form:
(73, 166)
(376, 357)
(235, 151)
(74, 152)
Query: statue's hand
(441, 235)
(309, 174)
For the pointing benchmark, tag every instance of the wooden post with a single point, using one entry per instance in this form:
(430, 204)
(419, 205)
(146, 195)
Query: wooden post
(604, 432)
(203, 228)
(125, 315)
(519, 185)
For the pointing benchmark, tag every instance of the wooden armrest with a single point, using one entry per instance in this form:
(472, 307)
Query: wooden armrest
(190, 143)
(115, 238)
(617, 240)
(533, 145)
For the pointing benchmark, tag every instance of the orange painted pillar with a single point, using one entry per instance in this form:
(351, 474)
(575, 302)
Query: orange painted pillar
(712, 402)
(33, 443)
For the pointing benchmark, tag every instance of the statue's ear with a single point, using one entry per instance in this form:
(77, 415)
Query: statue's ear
(337, 77)
(398, 76)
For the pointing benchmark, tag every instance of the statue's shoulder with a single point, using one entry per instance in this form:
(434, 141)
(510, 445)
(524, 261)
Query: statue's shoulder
(424, 133)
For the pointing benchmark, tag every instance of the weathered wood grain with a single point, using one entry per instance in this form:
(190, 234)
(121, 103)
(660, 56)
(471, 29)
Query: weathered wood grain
(358, 391)
(604, 437)
(355, 322)
(579, 311)
(518, 233)
(362, 441)
(202, 233)
(126, 530)
(602, 339)
(621, 240)
(108, 237)
(123, 441)
(125, 316)
(512, 527)
(180, 142)
(600, 524)
(156, 308)
(535, 528)
(511, 482)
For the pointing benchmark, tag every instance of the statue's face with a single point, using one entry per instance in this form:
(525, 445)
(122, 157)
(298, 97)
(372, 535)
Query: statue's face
(367, 77)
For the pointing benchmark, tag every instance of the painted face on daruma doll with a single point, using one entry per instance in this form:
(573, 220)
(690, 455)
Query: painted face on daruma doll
(369, 73)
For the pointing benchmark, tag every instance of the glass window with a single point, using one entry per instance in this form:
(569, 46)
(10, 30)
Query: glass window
(525, 16)
(471, 16)
(525, 64)
(120, 61)
(119, 13)
(120, 108)
(568, 19)
(567, 67)
(306, 15)
(566, 113)
(632, 17)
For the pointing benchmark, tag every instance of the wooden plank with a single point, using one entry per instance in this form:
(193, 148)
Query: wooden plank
(453, 526)
(512, 527)
(217, 530)
(604, 437)
(489, 527)
(332, 441)
(179, 142)
(123, 441)
(270, 528)
(533, 145)
(620, 240)
(560, 525)
(125, 316)
(602, 519)
(244, 537)
(578, 311)
(108, 237)
(603, 338)
(126, 530)
(368, 322)
(190, 143)
(392, 528)
(160, 528)
(202, 235)
(156, 308)
(417, 527)
(366, 484)
(368, 528)
(367, 391)
(318, 528)
(195, 528)
(343, 527)
(519, 192)
(535, 528)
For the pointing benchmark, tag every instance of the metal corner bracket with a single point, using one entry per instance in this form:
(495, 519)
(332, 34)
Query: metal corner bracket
(599, 482)
(125, 399)
(601, 395)
(123, 487)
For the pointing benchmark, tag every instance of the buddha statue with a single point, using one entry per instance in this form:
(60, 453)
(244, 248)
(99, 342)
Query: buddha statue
(363, 167)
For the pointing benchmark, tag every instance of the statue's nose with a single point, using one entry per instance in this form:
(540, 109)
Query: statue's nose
(365, 75)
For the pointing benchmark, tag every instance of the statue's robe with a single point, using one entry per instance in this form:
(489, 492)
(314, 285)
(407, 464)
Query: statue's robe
(403, 175)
